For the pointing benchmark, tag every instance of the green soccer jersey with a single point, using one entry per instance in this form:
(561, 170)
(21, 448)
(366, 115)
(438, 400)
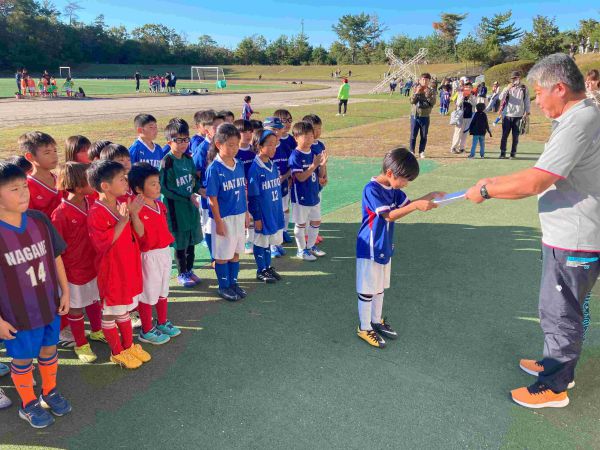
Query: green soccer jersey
(178, 182)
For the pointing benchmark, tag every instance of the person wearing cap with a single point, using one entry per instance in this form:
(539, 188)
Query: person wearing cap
(343, 96)
(515, 104)
(565, 179)
(422, 101)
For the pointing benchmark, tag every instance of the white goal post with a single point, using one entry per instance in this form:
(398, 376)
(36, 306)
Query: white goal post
(202, 73)
(66, 69)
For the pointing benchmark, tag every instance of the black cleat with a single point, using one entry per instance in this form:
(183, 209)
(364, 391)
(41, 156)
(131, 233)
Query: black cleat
(384, 329)
(229, 294)
(266, 277)
(239, 291)
(274, 273)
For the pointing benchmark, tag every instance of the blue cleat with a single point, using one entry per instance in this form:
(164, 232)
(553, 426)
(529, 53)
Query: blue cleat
(287, 238)
(37, 416)
(169, 329)
(56, 403)
(275, 253)
(195, 278)
(154, 337)
(4, 370)
(184, 280)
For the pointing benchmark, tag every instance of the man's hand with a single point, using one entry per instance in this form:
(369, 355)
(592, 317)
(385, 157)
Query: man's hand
(64, 305)
(7, 330)
(258, 225)
(474, 194)
(220, 225)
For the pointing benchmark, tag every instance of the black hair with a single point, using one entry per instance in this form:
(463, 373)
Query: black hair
(138, 175)
(313, 119)
(113, 151)
(31, 141)
(224, 132)
(247, 98)
(198, 117)
(226, 113)
(10, 172)
(282, 113)
(21, 162)
(175, 128)
(102, 171)
(243, 125)
(96, 148)
(426, 75)
(208, 117)
(259, 137)
(402, 163)
(302, 128)
(75, 144)
(480, 107)
(141, 120)
(256, 124)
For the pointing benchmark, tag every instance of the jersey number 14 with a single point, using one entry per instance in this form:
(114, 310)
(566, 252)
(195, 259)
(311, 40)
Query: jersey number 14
(40, 277)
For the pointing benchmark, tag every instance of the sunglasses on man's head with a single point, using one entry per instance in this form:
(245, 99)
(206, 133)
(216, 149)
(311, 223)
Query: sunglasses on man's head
(182, 140)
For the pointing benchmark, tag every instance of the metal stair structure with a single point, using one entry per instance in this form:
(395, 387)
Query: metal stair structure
(400, 69)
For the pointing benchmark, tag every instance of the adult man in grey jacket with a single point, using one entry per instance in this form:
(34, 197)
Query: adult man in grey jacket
(515, 99)
(422, 101)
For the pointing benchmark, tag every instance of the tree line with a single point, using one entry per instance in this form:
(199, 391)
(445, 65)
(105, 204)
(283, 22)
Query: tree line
(37, 35)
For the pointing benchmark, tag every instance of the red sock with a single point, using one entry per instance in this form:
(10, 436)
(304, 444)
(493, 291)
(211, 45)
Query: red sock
(64, 322)
(94, 313)
(145, 312)
(78, 329)
(48, 368)
(109, 327)
(124, 324)
(161, 310)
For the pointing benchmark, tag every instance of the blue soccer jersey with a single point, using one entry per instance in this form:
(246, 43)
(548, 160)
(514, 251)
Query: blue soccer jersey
(305, 193)
(228, 184)
(200, 157)
(195, 141)
(317, 148)
(376, 235)
(282, 157)
(264, 187)
(246, 157)
(140, 152)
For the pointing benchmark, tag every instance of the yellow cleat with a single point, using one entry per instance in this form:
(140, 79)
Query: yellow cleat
(97, 336)
(126, 359)
(138, 352)
(85, 354)
(371, 337)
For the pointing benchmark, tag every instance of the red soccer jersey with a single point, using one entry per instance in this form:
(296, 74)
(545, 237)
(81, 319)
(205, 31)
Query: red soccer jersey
(128, 196)
(156, 231)
(92, 197)
(119, 263)
(42, 197)
(79, 258)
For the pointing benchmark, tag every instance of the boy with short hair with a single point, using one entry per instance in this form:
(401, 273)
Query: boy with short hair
(478, 127)
(305, 191)
(114, 230)
(144, 149)
(120, 154)
(245, 156)
(287, 143)
(383, 203)
(228, 115)
(180, 185)
(156, 256)
(197, 138)
(95, 150)
(31, 306)
(40, 150)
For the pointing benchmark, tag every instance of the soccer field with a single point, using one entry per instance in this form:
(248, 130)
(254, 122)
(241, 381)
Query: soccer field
(284, 368)
(98, 87)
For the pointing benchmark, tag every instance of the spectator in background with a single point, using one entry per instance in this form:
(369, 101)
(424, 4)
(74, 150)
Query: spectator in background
(516, 104)
(137, 77)
(422, 101)
(343, 96)
(465, 104)
(18, 78)
(592, 85)
(481, 93)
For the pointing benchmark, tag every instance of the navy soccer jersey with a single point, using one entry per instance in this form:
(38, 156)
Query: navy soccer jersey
(140, 152)
(376, 235)
(305, 193)
(29, 290)
(200, 157)
(246, 157)
(228, 184)
(282, 157)
(264, 185)
(317, 147)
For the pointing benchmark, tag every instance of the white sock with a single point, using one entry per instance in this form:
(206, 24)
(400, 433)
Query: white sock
(313, 232)
(364, 312)
(250, 235)
(377, 308)
(300, 235)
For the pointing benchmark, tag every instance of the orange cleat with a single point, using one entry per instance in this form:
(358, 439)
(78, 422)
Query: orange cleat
(538, 395)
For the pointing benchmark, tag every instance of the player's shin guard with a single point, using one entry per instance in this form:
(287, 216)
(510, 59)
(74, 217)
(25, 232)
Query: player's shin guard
(48, 368)
(145, 312)
(222, 271)
(126, 330)
(22, 377)
(234, 270)
(94, 314)
(259, 257)
(364, 311)
(161, 310)
(268, 257)
(377, 308)
(109, 328)
(77, 328)
(313, 232)
(300, 236)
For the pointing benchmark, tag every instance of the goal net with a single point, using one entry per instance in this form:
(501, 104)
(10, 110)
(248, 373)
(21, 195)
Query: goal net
(64, 71)
(208, 75)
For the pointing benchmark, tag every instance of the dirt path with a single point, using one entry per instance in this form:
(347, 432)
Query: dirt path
(15, 112)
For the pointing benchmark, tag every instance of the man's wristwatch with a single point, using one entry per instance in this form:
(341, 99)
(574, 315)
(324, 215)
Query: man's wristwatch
(484, 193)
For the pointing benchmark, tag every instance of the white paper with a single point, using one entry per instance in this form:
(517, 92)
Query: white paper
(450, 198)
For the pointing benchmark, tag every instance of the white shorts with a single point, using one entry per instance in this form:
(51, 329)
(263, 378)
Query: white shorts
(285, 201)
(266, 240)
(205, 221)
(156, 272)
(224, 247)
(119, 310)
(371, 277)
(82, 295)
(304, 214)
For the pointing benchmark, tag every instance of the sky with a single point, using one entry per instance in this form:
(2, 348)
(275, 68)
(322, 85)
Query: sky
(229, 21)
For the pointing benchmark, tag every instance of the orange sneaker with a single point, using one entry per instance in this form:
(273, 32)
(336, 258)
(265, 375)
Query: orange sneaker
(538, 395)
(124, 359)
(533, 367)
(138, 352)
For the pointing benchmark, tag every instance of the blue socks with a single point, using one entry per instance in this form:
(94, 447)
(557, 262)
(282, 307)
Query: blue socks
(222, 271)
(259, 257)
(234, 269)
(208, 239)
(267, 257)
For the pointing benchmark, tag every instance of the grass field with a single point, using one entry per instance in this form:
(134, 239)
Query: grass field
(284, 369)
(112, 87)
